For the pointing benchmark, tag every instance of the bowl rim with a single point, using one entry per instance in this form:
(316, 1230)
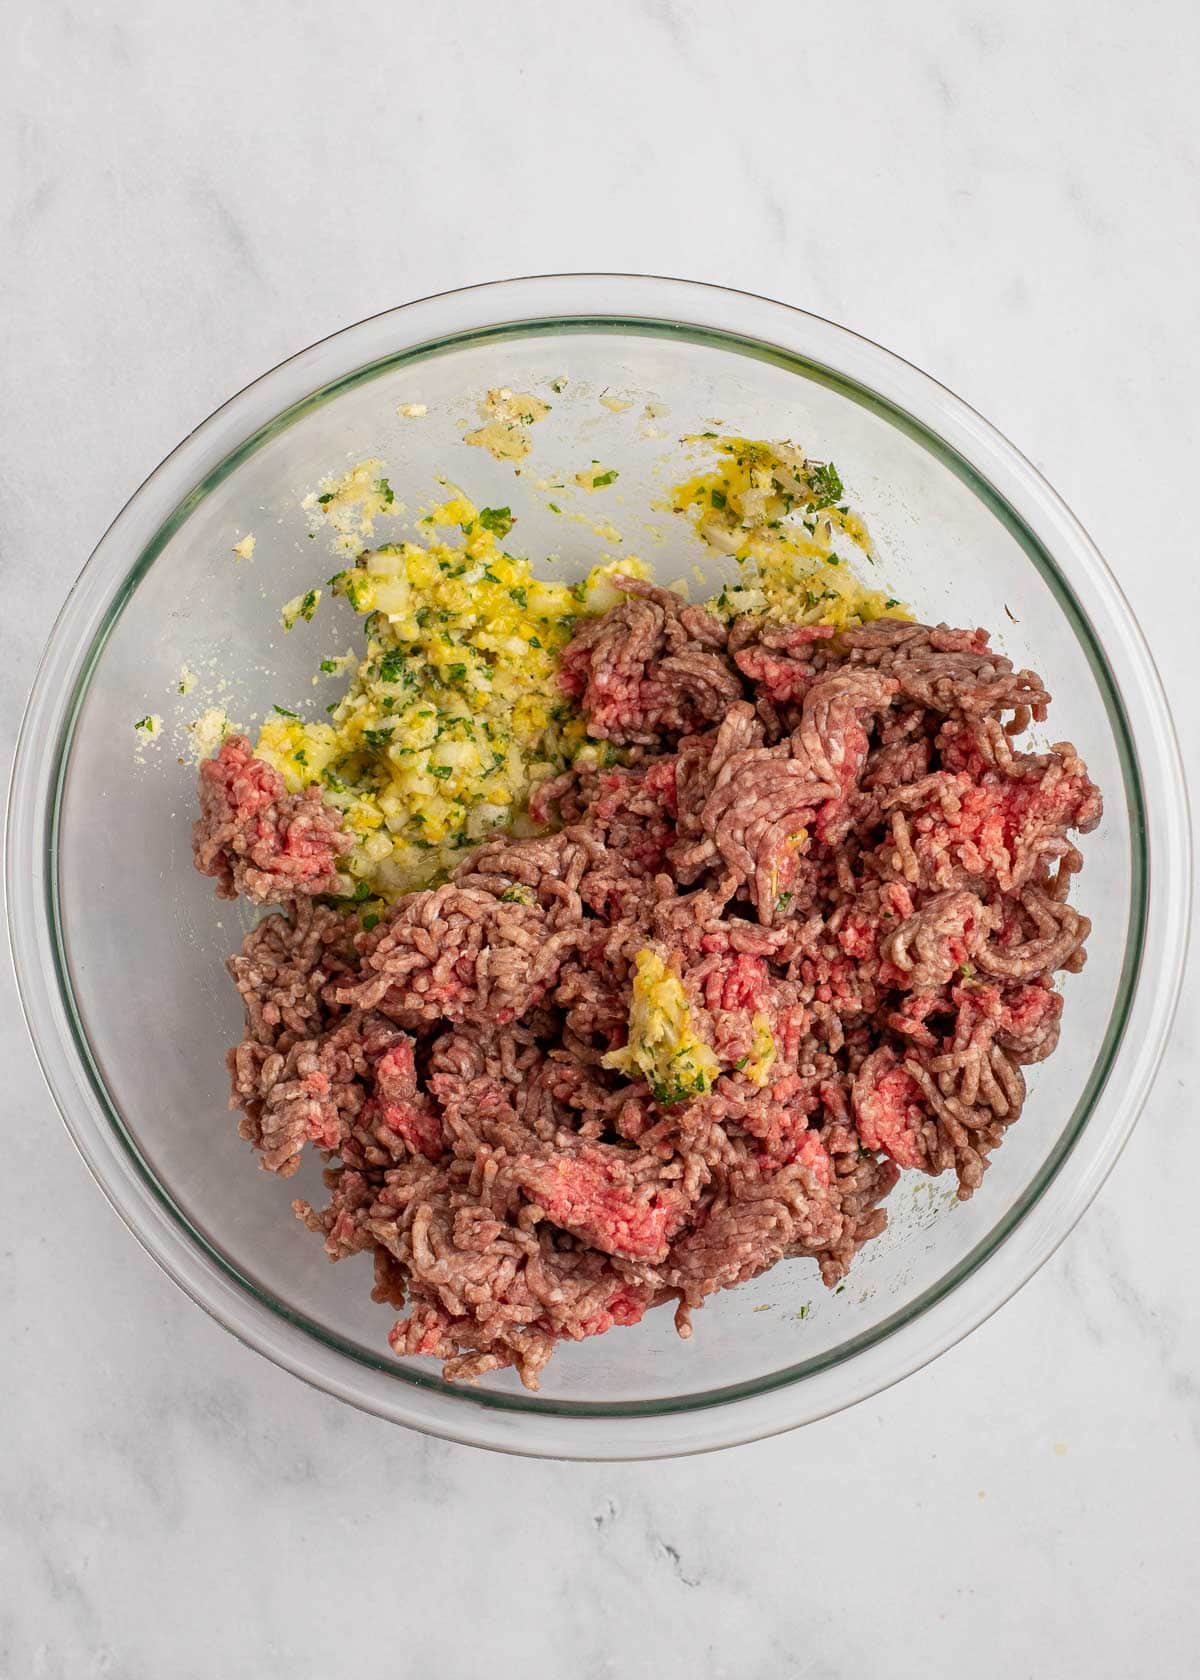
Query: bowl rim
(1053, 539)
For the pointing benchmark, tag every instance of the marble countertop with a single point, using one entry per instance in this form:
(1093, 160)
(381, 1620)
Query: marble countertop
(1006, 196)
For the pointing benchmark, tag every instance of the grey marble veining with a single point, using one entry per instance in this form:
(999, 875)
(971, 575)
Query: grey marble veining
(1007, 196)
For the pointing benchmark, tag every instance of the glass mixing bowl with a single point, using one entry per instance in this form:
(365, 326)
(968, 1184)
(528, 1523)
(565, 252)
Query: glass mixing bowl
(119, 944)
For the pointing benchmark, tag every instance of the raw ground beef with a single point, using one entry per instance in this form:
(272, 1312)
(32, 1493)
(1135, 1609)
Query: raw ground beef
(834, 834)
(259, 840)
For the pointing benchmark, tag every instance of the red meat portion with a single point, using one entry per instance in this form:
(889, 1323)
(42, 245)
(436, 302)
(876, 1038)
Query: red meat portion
(778, 667)
(324, 1123)
(738, 984)
(660, 784)
(260, 840)
(890, 1109)
(625, 1306)
(590, 1194)
(997, 829)
(400, 1107)
(812, 1153)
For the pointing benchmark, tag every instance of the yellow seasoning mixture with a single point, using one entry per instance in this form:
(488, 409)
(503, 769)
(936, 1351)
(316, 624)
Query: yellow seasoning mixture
(779, 516)
(455, 712)
(663, 1048)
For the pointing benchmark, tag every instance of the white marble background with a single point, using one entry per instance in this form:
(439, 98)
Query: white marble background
(1005, 193)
